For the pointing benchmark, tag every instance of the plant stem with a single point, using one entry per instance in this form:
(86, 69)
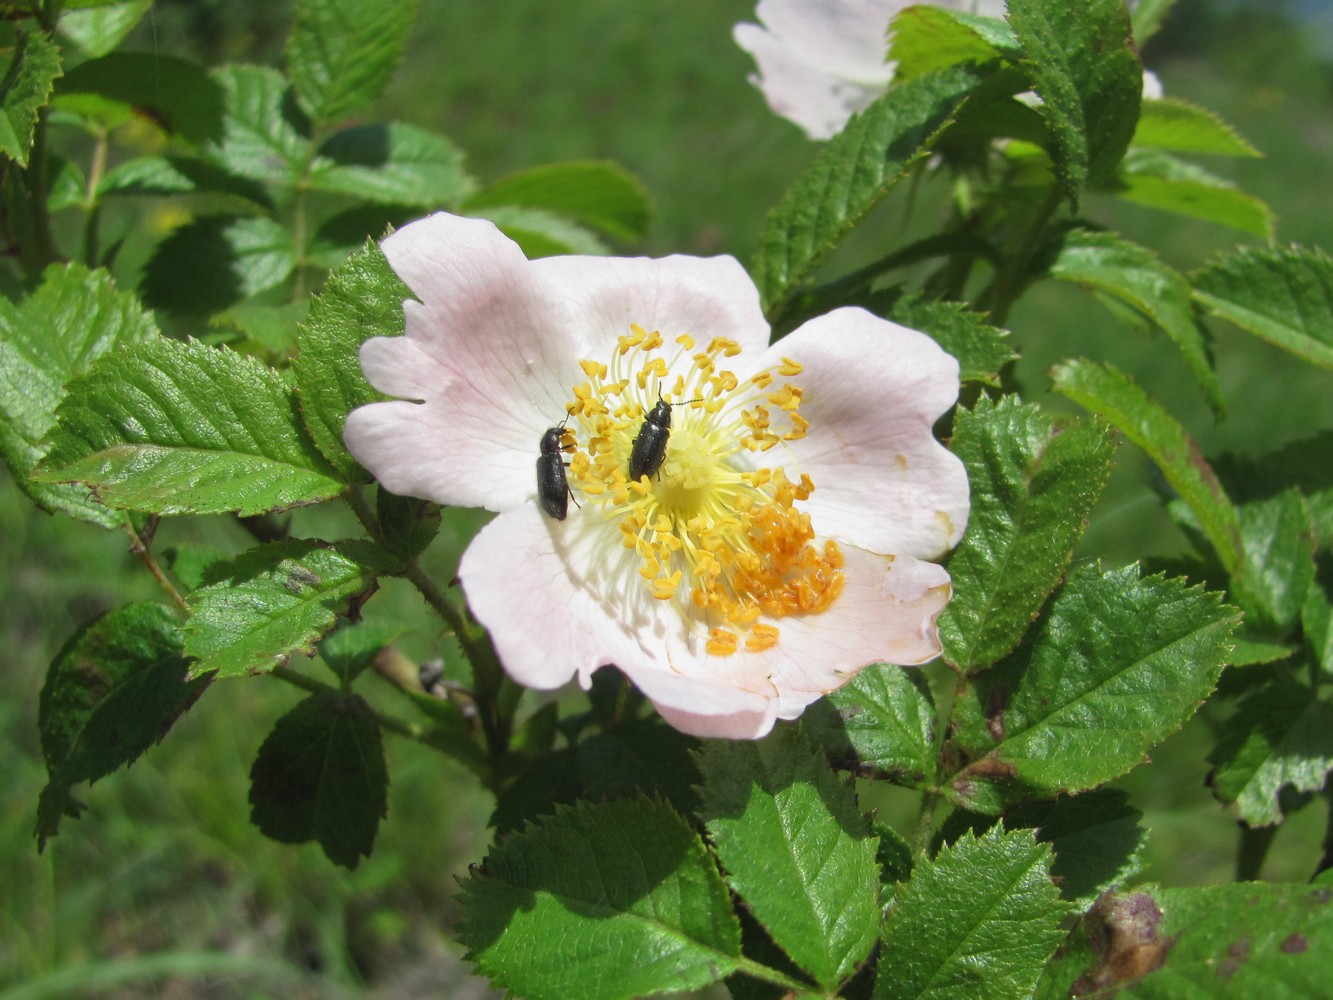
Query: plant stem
(1251, 851)
(1008, 284)
(752, 968)
(92, 206)
(141, 549)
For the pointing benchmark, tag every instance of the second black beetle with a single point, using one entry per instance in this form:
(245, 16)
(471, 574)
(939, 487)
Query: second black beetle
(552, 486)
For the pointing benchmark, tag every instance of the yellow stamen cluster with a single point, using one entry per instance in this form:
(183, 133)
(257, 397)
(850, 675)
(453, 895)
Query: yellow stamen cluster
(721, 538)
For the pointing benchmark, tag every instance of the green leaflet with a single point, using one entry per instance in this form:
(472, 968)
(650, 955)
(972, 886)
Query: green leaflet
(981, 349)
(1134, 275)
(114, 689)
(266, 604)
(883, 719)
(979, 919)
(628, 890)
(25, 87)
(1182, 127)
(320, 775)
(262, 134)
(1159, 180)
(795, 848)
(1116, 665)
(73, 318)
(341, 53)
(171, 427)
(596, 193)
(1283, 295)
(99, 30)
(1104, 390)
(1034, 481)
(363, 298)
(926, 39)
(1080, 61)
(851, 175)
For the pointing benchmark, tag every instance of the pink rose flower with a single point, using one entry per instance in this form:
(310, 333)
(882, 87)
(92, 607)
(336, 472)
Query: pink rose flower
(780, 543)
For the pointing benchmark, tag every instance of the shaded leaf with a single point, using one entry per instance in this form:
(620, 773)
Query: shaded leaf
(363, 298)
(795, 848)
(341, 53)
(114, 689)
(1283, 295)
(626, 888)
(209, 264)
(599, 194)
(163, 175)
(1117, 664)
(1280, 735)
(1034, 482)
(980, 919)
(1134, 275)
(320, 775)
(74, 317)
(177, 95)
(258, 609)
(172, 427)
(1104, 390)
(393, 164)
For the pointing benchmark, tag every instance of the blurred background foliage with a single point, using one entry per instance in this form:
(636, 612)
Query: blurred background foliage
(164, 874)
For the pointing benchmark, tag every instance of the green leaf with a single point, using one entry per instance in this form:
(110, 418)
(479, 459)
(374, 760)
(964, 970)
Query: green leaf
(393, 164)
(209, 264)
(26, 80)
(542, 234)
(1034, 482)
(114, 689)
(1279, 540)
(1096, 837)
(99, 30)
(1160, 181)
(642, 757)
(272, 328)
(1283, 295)
(1186, 128)
(262, 133)
(600, 902)
(883, 720)
(341, 53)
(1104, 390)
(320, 776)
(795, 848)
(73, 318)
(362, 299)
(167, 175)
(271, 602)
(1280, 735)
(407, 525)
(981, 349)
(1146, 16)
(1133, 275)
(927, 39)
(175, 94)
(173, 427)
(351, 650)
(1242, 940)
(1317, 618)
(596, 193)
(1080, 60)
(1117, 664)
(852, 173)
(979, 920)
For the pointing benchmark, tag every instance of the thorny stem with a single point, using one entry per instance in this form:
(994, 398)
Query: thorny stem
(930, 798)
(141, 549)
(96, 167)
(1252, 850)
(1008, 282)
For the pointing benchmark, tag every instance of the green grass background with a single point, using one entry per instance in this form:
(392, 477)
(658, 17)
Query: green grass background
(163, 873)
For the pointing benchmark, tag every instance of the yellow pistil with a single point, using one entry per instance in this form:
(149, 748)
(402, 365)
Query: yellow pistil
(725, 541)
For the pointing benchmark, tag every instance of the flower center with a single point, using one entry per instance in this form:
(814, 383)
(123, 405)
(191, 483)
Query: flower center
(712, 529)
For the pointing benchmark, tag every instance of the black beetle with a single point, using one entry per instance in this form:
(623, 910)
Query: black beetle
(648, 452)
(552, 486)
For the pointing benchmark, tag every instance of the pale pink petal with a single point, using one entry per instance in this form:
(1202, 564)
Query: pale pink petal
(882, 481)
(848, 38)
(703, 296)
